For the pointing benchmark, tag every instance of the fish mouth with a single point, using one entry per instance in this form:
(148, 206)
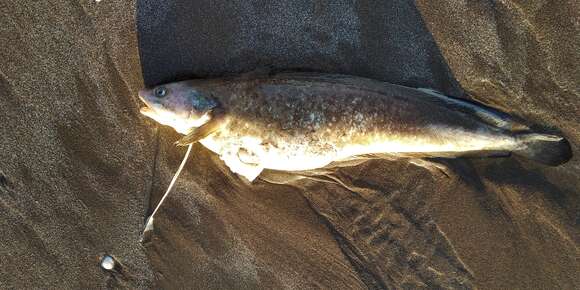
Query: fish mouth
(140, 94)
(148, 108)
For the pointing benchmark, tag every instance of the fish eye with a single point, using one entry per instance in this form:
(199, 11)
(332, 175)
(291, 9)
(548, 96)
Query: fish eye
(160, 92)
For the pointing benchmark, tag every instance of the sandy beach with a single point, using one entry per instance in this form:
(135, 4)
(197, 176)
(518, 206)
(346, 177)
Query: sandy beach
(80, 168)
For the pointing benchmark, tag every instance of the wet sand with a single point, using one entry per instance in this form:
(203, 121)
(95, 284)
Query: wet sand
(80, 168)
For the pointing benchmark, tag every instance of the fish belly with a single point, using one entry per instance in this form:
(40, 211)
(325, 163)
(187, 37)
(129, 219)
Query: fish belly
(275, 154)
(295, 154)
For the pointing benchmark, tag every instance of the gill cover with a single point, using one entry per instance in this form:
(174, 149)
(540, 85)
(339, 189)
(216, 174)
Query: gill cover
(210, 108)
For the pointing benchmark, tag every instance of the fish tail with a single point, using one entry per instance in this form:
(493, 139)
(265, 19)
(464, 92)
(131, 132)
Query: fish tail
(543, 148)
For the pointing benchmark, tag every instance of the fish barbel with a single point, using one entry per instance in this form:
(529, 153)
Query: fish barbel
(303, 121)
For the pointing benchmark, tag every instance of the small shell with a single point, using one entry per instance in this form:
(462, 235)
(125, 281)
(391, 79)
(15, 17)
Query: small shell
(108, 263)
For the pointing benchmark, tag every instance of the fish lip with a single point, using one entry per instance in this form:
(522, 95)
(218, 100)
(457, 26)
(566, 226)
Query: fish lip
(140, 95)
(144, 102)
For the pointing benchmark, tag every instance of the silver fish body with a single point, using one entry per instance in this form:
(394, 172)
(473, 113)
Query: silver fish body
(306, 121)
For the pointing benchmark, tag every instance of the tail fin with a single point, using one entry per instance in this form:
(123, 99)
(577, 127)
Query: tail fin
(546, 149)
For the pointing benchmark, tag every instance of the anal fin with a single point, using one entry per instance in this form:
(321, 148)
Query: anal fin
(433, 166)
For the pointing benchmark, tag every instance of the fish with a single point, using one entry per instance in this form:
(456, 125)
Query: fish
(306, 121)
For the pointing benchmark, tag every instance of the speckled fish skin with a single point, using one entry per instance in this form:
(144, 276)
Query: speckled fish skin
(305, 121)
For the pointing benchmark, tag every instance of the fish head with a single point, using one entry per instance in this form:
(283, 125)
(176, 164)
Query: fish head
(179, 105)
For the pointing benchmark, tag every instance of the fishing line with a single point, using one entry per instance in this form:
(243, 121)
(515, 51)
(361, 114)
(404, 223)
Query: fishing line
(149, 223)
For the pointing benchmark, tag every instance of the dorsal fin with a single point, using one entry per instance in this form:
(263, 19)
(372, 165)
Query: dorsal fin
(484, 113)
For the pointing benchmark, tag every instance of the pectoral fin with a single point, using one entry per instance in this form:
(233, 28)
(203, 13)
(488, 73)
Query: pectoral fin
(213, 125)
